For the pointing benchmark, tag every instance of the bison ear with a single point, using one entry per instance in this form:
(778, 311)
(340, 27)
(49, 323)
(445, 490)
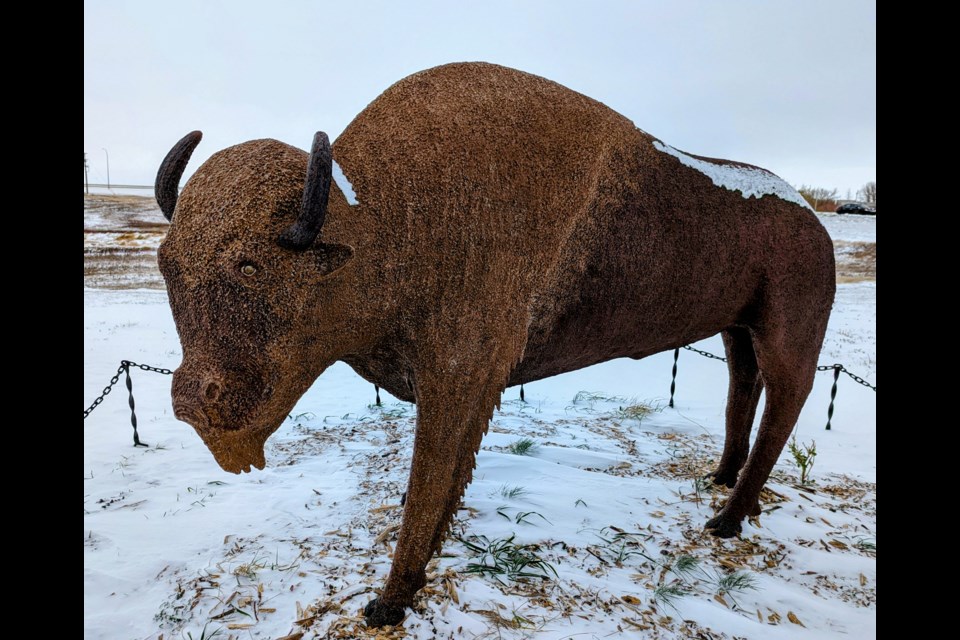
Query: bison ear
(329, 258)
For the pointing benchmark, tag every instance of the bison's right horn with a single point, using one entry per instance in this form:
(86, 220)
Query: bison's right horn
(167, 187)
(302, 233)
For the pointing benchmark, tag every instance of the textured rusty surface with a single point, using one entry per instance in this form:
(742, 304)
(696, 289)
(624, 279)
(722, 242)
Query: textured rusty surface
(508, 229)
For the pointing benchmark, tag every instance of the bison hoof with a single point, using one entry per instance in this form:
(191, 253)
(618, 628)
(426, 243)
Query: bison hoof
(723, 526)
(379, 614)
(723, 477)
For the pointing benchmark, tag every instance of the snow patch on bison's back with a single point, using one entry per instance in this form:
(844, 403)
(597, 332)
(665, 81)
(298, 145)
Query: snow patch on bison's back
(749, 181)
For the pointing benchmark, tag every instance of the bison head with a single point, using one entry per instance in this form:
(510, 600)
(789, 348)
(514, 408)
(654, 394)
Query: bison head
(253, 290)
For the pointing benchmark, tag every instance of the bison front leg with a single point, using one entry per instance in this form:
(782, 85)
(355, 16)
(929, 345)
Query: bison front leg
(443, 459)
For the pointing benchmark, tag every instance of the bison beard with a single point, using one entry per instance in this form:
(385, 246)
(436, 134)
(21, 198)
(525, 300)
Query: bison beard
(505, 229)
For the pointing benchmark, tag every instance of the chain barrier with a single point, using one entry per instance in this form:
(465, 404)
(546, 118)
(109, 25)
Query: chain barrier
(705, 354)
(126, 365)
(836, 368)
(124, 369)
(843, 369)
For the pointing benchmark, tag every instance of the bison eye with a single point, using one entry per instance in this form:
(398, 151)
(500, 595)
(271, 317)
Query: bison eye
(248, 269)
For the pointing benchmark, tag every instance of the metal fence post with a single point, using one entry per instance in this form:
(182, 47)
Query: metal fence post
(133, 414)
(673, 380)
(833, 393)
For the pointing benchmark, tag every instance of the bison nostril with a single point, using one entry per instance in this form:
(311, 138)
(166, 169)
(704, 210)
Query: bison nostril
(211, 391)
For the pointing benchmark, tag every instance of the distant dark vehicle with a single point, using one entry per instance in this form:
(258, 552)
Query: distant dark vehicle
(856, 207)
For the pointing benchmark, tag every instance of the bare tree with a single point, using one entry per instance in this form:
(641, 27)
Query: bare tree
(820, 198)
(869, 193)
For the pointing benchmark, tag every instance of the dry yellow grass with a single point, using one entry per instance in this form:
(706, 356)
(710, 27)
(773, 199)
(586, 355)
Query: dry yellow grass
(856, 261)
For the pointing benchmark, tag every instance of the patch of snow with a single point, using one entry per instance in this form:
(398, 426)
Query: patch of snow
(849, 227)
(751, 182)
(344, 183)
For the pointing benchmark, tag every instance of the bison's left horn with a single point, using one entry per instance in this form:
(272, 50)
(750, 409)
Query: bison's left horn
(167, 187)
(302, 233)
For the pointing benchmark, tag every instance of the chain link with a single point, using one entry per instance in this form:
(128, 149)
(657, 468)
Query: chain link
(146, 367)
(822, 367)
(124, 368)
(124, 364)
(705, 354)
(106, 391)
(855, 377)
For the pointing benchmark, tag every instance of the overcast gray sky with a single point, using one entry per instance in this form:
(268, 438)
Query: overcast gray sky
(787, 85)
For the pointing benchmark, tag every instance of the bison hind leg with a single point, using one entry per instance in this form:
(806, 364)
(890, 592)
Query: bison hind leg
(378, 614)
(788, 362)
(724, 526)
(742, 398)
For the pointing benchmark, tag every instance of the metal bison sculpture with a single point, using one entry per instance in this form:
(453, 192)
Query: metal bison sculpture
(488, 228)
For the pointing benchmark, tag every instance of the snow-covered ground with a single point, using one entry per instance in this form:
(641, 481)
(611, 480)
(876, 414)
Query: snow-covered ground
(850, 227)
(609, 502)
